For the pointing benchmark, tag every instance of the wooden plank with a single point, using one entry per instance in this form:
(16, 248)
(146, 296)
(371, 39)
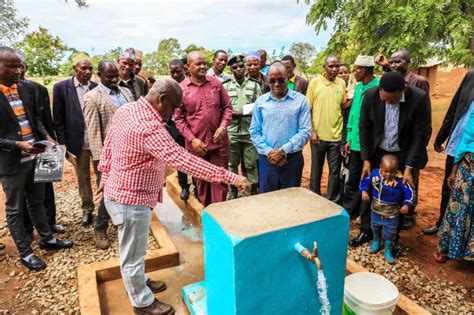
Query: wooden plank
(90, 275)
(191, 208)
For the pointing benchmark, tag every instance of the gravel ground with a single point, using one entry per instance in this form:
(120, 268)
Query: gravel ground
(438, 297)
(54, 290)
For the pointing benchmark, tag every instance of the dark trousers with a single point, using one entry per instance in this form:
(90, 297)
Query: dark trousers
(16, 188)
(318, 155)
(49, 206)
(182, 177)
(445, 191)
(273, 178)
(352, 199)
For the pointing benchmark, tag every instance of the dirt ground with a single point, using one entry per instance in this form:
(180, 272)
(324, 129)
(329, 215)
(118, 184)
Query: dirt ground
(419, 248)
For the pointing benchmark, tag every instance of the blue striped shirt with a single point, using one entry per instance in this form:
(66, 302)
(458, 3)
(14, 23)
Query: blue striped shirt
(284, 123)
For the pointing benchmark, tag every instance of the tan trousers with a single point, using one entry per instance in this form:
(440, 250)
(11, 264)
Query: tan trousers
(83, 174)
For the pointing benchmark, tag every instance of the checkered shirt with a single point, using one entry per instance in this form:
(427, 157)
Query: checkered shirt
(135, 153)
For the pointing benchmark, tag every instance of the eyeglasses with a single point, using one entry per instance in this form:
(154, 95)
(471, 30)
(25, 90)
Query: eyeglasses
(280, 81)
(235, 67)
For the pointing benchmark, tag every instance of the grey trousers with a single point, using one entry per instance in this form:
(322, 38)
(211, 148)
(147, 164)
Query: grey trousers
(133, 224)
(83, 174)
(318, 155)
(16, 188)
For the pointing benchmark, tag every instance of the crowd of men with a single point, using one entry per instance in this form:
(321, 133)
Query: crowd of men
(212, 125)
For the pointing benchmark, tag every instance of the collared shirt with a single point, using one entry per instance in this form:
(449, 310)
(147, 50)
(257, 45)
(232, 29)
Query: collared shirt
(81, 90)
(13, 97)
(325, 99)
(264, 70)
(136, 150)
(241, 95)
(222, 77)
(205, 108)
(389, 140)
(291, 82)
(117, 97)
(458, 131)
(354, 115)
(284, 123)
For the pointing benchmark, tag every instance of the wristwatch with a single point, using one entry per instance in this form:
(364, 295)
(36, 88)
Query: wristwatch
(282, 152)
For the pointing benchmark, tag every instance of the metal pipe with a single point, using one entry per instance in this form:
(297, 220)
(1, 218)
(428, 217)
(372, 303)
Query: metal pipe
(312, 257)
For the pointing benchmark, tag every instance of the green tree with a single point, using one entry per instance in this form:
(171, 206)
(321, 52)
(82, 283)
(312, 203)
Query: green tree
(167, 50)
(208, 54)
(43, 51)
(11, 25)
(427, 28)
(303, 53)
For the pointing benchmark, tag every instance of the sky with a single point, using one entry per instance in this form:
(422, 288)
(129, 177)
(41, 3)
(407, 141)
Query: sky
(241, 25)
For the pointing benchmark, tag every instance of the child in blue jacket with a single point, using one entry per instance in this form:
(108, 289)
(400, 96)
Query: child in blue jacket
(385, 185)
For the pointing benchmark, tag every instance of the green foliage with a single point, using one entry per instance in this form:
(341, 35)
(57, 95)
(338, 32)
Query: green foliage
(426, 28)
(208, 54)
(303, 53)
(167, 50)
(43, 52)
(11, 26)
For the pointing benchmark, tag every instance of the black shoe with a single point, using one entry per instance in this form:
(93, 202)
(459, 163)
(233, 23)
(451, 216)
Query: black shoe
(156, 285)
(408, 222)
(33, 263)
(254, 189)
(431, 231)
(87, 218)
(57, 228)
(396, 249)
(234, 193)
(2, 246)
(59, 244)
(184, 194)
(360, 239)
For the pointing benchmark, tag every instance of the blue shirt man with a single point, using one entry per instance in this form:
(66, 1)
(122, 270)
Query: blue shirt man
(280, 128)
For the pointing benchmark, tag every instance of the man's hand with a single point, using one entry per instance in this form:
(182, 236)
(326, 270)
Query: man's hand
(365, 196)
(219, 134)
(347, 150)
(275, 156)
(48, 137)
(314, 139)
(438, 147)
(365, 170)
(242, 183)
(99, 193)
(381, 60)
(199, 147)
(404, 209)
(28, 147)
(408, 177)
(281, 163)
(451, 180)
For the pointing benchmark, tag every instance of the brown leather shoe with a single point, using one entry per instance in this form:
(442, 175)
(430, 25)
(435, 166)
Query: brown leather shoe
(101, 240)
(156, 307)
(156, 286)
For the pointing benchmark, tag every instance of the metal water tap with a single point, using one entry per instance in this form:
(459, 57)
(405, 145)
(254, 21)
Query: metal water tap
(312, 257)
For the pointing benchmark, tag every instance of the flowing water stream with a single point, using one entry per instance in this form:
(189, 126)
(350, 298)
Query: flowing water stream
(322, 286)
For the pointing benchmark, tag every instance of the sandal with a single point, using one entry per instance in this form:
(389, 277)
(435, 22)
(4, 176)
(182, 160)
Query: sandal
(440, 257)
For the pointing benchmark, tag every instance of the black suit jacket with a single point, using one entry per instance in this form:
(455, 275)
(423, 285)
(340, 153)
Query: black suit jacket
(68, 117)
(10, 131)
(459, 105)
(413, 125)
(44, 107)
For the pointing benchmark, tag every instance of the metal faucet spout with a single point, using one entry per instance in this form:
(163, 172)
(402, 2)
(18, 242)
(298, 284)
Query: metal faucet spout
(312, 257)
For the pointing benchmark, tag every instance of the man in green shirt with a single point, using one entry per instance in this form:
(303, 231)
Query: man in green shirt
(364, 74)
(243, 91)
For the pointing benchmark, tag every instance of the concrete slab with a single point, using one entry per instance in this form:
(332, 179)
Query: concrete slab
(92, 275)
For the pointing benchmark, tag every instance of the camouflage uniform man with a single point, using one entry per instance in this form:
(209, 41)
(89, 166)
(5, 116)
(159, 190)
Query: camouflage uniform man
(242, 90)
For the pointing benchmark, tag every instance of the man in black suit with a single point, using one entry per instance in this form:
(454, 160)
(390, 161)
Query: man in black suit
(44, 113)
(394, 119)
(21, 127)
(460, 104)
(70, 128)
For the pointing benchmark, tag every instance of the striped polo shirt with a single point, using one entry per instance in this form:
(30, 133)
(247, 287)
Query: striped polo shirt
(11, 93)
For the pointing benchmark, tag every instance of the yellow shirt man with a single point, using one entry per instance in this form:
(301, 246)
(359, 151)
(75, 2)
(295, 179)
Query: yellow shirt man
(325, 99)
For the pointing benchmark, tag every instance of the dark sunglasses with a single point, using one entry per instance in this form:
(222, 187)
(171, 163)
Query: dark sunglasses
(280, 81)
(235, 67)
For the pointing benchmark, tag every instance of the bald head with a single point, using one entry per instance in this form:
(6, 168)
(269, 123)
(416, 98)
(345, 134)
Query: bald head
(168, 87)
(10, 66)
(193, 55)
(197, 66)
(278, 66)
(165, 95)
(389, 166)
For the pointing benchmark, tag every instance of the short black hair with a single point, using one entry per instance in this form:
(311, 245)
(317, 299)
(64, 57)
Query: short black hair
(392, 81)
(103, 64)
(279, 64)
(176, 62)
(151, 79)
(345, 65)
(218, 52)
(288, 57)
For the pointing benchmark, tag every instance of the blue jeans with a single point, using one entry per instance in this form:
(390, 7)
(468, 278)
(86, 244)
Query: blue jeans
(389, 226)
(133, 224)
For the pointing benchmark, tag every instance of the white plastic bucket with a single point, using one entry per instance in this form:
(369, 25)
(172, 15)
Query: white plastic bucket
(367, 293)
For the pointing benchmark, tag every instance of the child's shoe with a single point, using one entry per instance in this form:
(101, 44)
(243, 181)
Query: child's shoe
(388, 252)
(375, 246)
